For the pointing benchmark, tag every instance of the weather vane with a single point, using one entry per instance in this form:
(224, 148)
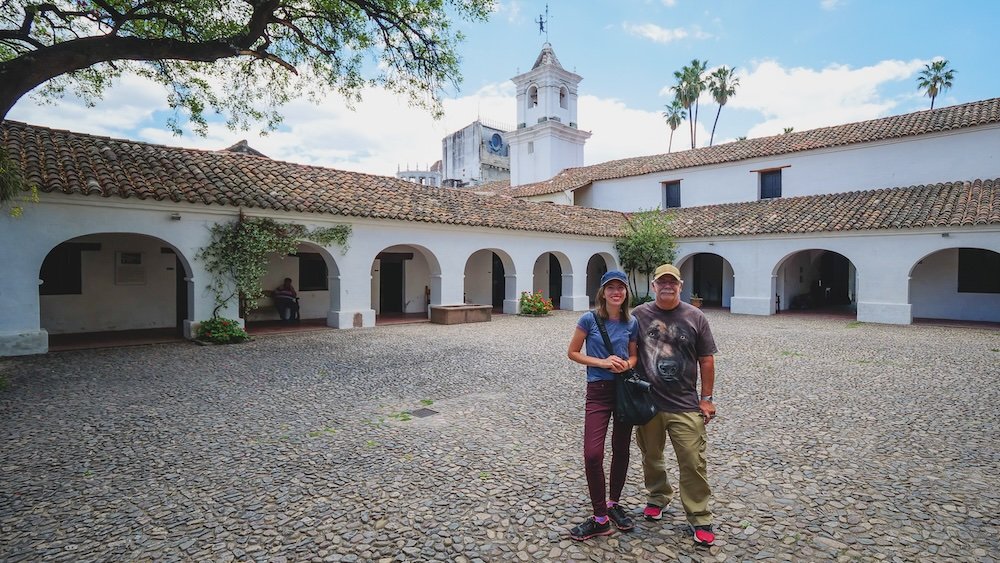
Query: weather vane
(541, 23)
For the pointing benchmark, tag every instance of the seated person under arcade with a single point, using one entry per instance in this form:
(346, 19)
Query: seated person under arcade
(286, 301)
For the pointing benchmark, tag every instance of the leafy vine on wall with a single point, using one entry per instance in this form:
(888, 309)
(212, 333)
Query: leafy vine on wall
(239, 252)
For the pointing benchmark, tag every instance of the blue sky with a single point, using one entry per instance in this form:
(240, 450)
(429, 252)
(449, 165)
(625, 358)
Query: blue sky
(802, 64)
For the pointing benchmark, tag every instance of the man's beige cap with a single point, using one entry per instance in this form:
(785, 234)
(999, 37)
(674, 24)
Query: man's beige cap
(667, 269)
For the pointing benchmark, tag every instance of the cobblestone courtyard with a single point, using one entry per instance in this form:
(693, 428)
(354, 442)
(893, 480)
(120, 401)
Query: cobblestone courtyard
(836, 441)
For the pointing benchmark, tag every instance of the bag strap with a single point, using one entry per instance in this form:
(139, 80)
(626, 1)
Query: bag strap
(604, 333)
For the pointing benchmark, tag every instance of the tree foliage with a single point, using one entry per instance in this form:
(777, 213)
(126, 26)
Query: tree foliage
(722, 83)
(690, 85)
(239, 252)
(242, 59)
(14, 191)
(648, 243)
(935, 79)
(674, 115)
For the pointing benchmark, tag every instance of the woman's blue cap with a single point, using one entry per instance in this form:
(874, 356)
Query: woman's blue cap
(614, 275)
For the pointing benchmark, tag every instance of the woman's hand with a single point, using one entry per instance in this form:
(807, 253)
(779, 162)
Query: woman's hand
(616, 364)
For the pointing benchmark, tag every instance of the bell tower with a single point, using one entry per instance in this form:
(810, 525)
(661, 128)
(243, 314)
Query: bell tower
(547, 139)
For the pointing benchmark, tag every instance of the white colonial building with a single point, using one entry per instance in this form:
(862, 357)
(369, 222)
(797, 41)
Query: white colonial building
(896, 218)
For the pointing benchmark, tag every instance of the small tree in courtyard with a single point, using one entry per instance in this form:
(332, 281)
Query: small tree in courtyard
(647, 243)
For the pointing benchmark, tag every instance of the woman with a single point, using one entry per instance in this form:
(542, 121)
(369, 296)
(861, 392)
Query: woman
(602, 365)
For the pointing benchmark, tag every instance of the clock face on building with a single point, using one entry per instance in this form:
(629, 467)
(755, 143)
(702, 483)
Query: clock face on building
(496, 143)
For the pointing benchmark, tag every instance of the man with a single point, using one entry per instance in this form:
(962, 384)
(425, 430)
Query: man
(675, 345)
(286, 301)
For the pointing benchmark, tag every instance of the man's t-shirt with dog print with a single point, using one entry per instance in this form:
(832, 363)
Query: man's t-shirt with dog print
(670, 343)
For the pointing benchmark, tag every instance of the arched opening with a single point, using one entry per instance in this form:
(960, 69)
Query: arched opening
(314, 275)
(563, 98)
(114, 289)
(708, 276)
(816, 280)
(489, 279)
(553, 276)
(532, 96)
(406, 280)
(597, 266)
(956, 284)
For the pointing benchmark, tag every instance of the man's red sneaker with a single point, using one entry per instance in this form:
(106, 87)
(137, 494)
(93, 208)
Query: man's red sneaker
(704, 536)
(652, 512)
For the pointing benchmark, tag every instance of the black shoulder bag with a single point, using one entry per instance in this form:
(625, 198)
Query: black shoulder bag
(633, 400)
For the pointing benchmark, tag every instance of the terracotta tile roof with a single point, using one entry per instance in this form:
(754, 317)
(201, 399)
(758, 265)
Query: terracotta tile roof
(88, 165)
(493, 187)
(952, 204)
(906, 125)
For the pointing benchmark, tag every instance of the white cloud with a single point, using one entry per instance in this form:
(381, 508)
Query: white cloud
(659, 34)
(511, 9)
(831, 5)
(622, 132)
(131, 101)
(806, 98)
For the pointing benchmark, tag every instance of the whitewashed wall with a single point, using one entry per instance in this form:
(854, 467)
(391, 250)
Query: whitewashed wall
(555, 147)
(964, 155)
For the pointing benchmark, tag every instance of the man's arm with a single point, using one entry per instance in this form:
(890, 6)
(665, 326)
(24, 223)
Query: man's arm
(706, 366)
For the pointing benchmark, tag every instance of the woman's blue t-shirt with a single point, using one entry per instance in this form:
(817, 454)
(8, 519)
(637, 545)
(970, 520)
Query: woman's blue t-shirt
(620, 334)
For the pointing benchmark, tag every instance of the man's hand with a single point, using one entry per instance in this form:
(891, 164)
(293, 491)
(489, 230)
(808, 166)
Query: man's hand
(707, 409)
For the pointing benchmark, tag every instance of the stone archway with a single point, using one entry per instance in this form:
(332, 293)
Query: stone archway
(122, 285)
(597, 266)
(709, 276)
(490, 279)
(815, 280)
(315, 277)
(406, 280)
(956, 284)
(553, 277)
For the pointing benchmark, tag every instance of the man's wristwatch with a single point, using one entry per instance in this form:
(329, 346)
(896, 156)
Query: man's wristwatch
(707, 398)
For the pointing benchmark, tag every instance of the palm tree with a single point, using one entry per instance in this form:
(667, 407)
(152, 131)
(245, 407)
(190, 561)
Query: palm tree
(935, 78)
(674, 115)
(690, 85)
(787, 130)
(722, 84)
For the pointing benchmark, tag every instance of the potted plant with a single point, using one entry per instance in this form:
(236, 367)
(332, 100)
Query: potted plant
(696, 301)
(535, 304)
